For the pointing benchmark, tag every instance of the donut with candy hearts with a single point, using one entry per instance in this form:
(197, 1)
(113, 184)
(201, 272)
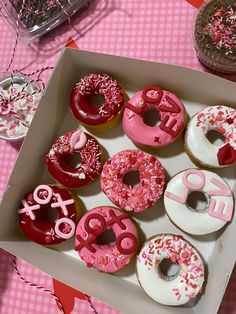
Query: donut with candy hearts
(144, 194)
(171, 112)
(175, 288)
(104, 117)
(36, 205)
(110, 257)
(219, 201)
(222, 119)
(70, 144)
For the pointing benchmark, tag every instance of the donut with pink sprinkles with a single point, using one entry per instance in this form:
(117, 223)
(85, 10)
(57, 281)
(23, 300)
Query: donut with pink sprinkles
(81, 103)
(150, 180)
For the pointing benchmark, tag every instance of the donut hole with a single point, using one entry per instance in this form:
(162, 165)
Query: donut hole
(215, 137)
(197, 201)
(96, 101)
(108, 237)
(51, 214)
(168, 270)
(132, 178)
(152, 117)
(74, 160)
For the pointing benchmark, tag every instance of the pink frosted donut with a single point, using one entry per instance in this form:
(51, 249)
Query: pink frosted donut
(151, 180)
(170, 109)
(106, 257)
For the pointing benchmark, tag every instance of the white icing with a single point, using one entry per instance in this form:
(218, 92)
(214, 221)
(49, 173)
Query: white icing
(209, 119)
(176, 291)
(195, 222)
(15, 126)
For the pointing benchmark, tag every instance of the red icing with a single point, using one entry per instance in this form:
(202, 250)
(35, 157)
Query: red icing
(41, 230)
(137, 109)
(153, 99)
(167, 126)
(95, 231)
(59, 168)
(85, 243)
(127, 235)
(96, 84)
(117, 219)
(226, 155)
(172, 108)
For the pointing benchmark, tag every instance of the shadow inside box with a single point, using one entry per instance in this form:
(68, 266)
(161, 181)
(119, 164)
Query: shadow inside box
(78, 26)
(168, 151)
(153, 213)
(6, 270)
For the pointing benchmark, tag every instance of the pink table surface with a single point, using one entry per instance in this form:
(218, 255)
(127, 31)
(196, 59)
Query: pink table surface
(154, 30)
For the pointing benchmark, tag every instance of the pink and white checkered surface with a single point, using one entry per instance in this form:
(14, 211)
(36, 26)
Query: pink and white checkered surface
(154, 30)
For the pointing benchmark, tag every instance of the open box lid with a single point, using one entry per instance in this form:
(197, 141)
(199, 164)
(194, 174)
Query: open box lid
(29, 169)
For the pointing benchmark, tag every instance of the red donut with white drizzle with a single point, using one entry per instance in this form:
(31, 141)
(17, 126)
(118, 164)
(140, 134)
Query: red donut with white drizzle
(33, 214)
(102, 118)
(71, 143)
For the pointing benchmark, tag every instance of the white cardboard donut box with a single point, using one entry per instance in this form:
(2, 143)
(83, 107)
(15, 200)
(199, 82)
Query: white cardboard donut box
(53, 118)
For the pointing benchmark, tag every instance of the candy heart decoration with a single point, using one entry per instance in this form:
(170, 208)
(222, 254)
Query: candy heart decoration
(226, 155)
(78, 140)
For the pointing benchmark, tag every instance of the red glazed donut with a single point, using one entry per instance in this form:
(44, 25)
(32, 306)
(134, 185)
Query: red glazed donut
(104, 117)
(76, 142)
(141, 196)
(33, 219)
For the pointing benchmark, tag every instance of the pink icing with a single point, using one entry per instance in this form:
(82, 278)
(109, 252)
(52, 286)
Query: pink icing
(195, 186)
(108, 257)
(178, 198)
(219, 211)
(62, 203)
(67, 232)
(172, 114)
(78, 140)
(222, 191)
(48, 194)
(142, 196)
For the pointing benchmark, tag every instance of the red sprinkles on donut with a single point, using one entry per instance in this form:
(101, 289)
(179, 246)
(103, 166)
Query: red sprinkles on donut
(76, 142)
(141, 196)
(97, 84)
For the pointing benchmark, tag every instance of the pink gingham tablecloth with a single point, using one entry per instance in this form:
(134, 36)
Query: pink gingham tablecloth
(154, 30)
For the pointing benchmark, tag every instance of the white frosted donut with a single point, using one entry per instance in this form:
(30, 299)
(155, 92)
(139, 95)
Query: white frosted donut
(219, 208)
(177, 290)
(221, 119)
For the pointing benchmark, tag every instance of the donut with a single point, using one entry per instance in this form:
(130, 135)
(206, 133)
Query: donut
(176, 289)
(75, 142)
(106, 116)
(33, 214)
(214, 35)
(221, 119)
(106, 257)
(219, 201)
(171, 112)
(151, 180)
